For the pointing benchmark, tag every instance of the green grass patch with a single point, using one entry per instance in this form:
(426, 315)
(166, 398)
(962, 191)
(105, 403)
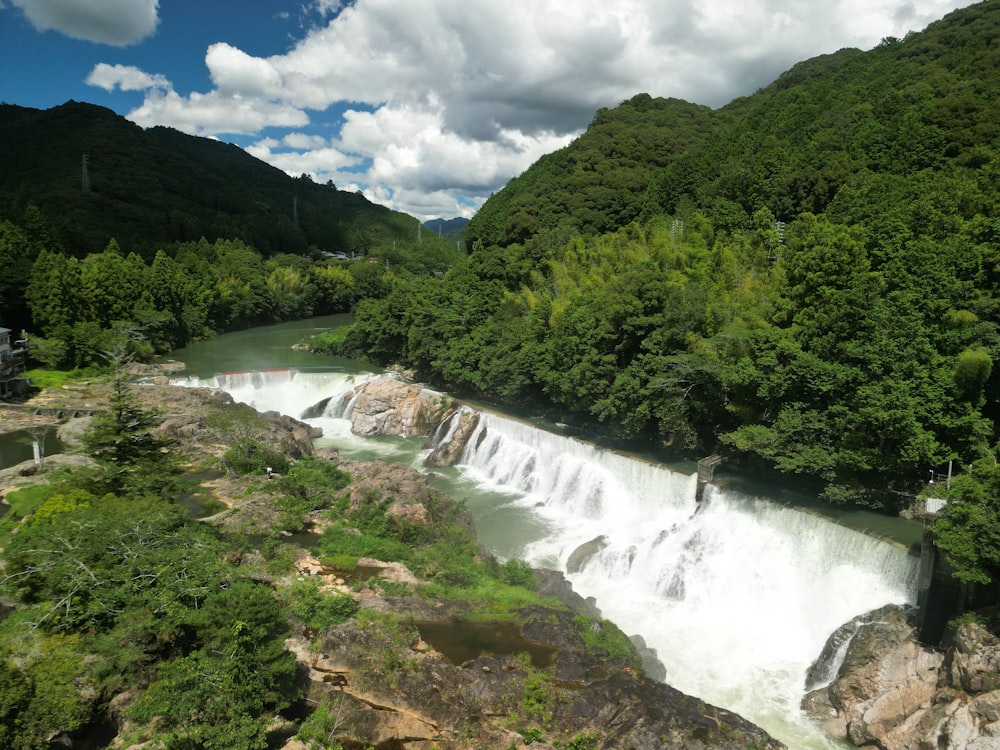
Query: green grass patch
(22, 504)
(329, 342)
(318, 609)
(605, 635)
(343, 563)
(340, 541)
(43, 378)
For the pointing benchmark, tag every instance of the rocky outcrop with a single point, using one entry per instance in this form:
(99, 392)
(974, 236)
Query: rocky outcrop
(434, 702)
(388, 406)
(891, 692)
(450, 438)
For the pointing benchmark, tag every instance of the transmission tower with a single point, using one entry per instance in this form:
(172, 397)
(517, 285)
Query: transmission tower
(85, 175)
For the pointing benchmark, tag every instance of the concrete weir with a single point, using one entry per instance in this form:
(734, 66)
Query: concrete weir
(706, 473)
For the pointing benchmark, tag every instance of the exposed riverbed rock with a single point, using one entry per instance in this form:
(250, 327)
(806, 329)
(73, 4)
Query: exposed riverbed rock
(389, 406)
(894, 693)
(582, 554)
(447, 452)
(478, 703)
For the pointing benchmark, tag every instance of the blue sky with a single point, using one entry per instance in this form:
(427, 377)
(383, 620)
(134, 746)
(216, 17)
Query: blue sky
(427, 106)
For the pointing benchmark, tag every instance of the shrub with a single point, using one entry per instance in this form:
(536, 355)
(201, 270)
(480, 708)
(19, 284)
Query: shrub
(250, 456)
(319, 610)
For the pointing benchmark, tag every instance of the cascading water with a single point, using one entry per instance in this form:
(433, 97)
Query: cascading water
(286, 391)
(737, 594)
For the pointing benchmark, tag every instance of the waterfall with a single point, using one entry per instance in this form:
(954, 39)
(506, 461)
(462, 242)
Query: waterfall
(286, 391)
(572, 480)
(446, 430)
(737, 594)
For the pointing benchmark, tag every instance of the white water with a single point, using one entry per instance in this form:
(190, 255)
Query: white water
(738, 595)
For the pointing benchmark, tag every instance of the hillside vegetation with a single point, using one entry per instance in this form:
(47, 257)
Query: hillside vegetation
(807, 276)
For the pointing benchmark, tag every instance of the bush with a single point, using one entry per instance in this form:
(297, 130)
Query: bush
(318, 610)
(605, 635)
(251, 456)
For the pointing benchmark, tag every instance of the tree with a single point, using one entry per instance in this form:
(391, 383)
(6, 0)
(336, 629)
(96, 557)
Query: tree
(968, 529)
(121, 440)
(53, 293)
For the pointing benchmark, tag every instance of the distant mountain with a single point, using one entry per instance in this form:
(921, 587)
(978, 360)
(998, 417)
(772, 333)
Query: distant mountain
(448, 227)
(599, 181)
(95, 176)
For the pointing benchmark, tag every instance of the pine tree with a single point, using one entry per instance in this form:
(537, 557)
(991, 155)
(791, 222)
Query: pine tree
(132, 459)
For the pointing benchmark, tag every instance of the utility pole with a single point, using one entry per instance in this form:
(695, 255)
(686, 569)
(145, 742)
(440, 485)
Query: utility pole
(85, 175)
(295, 211)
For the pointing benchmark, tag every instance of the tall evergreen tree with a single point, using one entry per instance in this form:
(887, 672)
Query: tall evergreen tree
(131, 458)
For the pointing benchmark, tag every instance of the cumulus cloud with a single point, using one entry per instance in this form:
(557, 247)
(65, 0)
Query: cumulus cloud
(460, 95)
(301, 153)
(115, 22)
(213, 114)
(125, 77)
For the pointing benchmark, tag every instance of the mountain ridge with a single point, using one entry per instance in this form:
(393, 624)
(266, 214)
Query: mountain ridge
(155, 186)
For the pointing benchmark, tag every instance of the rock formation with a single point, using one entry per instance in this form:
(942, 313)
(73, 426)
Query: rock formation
(447, 452)
(389, 406)
(481, 702)
(891, 692)
(579, 557)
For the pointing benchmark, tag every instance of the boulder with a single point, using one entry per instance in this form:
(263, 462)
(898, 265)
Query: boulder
(449, 446)
(885, 677)
(388, 406)
(582, 554)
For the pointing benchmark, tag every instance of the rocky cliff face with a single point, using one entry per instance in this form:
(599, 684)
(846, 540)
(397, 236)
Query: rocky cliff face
(891, 692)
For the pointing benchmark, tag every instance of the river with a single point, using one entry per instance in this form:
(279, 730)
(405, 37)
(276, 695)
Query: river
(737, 594)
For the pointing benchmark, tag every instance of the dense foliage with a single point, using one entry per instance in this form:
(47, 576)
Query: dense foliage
(121, 592)
(807, 275)
(74, 309)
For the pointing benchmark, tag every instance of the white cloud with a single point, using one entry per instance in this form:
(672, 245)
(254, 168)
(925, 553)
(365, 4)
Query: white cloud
(235, 72)
(115, 22)
(212, 114)
(461, 95)
(125, 77)
(298, 153)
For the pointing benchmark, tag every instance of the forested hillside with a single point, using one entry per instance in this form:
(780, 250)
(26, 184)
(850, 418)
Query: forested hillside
(807, 276)
(151, 187)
